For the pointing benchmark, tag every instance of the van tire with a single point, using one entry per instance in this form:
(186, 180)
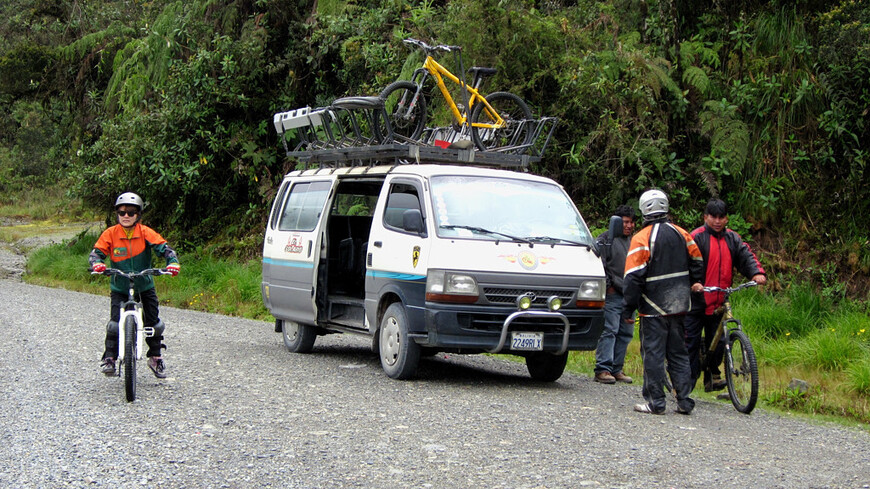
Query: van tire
(546, 367)
(400, 355)
(298, 338)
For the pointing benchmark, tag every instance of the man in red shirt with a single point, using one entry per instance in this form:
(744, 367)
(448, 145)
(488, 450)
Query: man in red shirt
(723, 251)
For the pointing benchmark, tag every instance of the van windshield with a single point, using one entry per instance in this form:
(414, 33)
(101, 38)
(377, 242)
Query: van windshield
(499, 209)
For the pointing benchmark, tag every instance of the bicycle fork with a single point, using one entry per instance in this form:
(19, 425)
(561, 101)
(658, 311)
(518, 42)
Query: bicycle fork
(142, 332)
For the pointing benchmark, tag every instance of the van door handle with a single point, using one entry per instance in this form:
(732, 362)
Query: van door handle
(309, 248)
(378, 244)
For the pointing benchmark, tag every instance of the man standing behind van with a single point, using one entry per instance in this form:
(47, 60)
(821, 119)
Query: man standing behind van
(663, 267)
(618, 321)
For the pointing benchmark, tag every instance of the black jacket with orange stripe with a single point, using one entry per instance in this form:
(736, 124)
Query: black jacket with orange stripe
(662, 264)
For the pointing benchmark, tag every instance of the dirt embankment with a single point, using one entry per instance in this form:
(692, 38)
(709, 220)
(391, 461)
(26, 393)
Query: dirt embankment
(14, 250)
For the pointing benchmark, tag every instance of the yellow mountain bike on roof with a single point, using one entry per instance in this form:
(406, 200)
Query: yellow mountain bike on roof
(498, 121)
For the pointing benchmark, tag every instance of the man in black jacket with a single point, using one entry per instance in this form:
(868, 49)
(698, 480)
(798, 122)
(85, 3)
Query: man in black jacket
(662, 268)
(723, 250)
(618, 322)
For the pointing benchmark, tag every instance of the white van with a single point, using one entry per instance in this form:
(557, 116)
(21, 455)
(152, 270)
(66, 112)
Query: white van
(427, 258)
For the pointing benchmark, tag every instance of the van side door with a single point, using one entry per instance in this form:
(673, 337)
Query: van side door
(291, 250)
(398, 249)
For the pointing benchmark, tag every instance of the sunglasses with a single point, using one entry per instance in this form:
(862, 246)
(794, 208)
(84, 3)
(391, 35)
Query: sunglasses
(128, 213)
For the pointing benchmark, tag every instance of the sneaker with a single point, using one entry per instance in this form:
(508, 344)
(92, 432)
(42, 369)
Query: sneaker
(646, 409)
(107, 367)
(157, 366)
(621, 377)
(680, 410)
(605, 378)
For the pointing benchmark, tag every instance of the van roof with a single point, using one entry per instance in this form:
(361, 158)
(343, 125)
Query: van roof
(423, 170)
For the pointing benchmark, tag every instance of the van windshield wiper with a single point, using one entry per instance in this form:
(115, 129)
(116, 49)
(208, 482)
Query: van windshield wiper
(554, 240)
(479, 230)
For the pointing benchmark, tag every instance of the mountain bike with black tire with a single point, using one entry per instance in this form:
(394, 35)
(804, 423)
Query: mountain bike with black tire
(497, 120)
(741, 366)
(131, 328)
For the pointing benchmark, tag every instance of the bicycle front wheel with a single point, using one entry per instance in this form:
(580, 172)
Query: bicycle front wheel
(515, 131)
(130, 358)
(741, 372)
(407, 116)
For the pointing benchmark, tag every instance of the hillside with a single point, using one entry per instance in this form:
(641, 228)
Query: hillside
(764, 104)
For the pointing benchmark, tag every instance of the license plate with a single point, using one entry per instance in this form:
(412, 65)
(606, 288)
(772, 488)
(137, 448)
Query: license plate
(527, 341)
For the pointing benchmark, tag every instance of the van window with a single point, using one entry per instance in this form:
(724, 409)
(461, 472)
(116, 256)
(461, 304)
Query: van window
(304, 206)
(402, 197)
(506, 206)
(273, 220)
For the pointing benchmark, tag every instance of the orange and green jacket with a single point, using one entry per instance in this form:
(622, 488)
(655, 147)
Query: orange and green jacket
(131, 254)
(662, 264)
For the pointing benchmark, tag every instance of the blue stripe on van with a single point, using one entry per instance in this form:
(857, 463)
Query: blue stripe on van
(407, 277)
(288, 263)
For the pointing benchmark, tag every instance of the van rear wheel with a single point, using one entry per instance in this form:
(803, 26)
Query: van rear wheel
(400, 355)
(298, 338)
(546, 367)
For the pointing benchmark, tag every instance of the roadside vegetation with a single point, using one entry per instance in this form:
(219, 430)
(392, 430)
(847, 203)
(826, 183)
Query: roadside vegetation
(797, 334)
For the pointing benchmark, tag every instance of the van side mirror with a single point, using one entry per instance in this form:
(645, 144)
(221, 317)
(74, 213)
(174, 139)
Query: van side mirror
(412, 221)
(615, 228)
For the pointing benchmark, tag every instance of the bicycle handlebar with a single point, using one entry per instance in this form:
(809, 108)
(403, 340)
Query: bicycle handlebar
(729, 290)
(143, 273)
(425, 47)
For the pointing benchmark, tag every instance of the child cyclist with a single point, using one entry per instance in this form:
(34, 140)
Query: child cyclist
(129, 245)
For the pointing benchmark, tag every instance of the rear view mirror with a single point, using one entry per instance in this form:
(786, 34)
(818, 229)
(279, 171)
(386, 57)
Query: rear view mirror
(615, 227)
(412, 221)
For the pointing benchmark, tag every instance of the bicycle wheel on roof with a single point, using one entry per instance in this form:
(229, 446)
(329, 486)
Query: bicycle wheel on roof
(488, 133)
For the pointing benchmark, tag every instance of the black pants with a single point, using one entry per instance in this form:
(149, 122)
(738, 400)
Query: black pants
(151, 315)
(696, 324)
(662, 340)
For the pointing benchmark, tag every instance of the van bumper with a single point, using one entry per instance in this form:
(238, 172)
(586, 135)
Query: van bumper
(480, 329)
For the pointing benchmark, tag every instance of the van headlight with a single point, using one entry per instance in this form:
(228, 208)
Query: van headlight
(444, 286)
(590, 295)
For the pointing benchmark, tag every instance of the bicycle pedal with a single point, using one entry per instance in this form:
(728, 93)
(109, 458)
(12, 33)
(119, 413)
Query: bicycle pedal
(149, 332)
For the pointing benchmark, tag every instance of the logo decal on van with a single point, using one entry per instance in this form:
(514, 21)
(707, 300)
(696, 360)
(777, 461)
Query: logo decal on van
(294, 245)
(528, 260)
(415, 256)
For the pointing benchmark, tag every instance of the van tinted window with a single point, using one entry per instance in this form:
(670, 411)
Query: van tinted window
(402, 198)
(304, 206)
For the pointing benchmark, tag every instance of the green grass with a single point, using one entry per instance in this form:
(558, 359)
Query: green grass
(204, 284)
(796, 334)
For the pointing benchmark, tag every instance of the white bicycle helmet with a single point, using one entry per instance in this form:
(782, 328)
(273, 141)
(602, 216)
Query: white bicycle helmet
(129, 198)
(653, 202)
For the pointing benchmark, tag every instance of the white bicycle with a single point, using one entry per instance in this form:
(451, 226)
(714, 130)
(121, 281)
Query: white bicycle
(131, 328)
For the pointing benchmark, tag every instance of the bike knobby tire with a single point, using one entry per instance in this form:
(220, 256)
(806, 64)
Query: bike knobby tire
(130, 358)
(741, 372)
(407, 117)
(516, 131)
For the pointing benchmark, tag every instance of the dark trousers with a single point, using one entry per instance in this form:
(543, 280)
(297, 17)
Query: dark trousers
(662, 340)
(696, 324)
(151, 316)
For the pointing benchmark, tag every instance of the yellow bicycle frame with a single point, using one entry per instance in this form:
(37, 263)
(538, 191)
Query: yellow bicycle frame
(437, 70)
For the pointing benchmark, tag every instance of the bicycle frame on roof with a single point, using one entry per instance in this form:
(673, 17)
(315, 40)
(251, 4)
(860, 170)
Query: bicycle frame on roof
(438, 72)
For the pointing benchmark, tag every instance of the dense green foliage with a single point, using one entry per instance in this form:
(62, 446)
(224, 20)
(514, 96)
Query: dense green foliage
(762, 103)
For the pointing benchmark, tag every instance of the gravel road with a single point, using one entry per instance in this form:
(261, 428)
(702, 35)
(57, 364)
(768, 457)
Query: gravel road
(239, 411)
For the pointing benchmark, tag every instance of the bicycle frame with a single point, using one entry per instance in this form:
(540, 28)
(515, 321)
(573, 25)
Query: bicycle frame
(438, 72)
(132, 308)
(727, 314)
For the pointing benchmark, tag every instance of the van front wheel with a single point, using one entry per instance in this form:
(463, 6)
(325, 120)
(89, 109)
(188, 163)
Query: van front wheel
(399, 354)
(298, 338)
(546, 367)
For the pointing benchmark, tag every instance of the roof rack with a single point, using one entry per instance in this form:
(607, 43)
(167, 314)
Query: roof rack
(355, 131)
